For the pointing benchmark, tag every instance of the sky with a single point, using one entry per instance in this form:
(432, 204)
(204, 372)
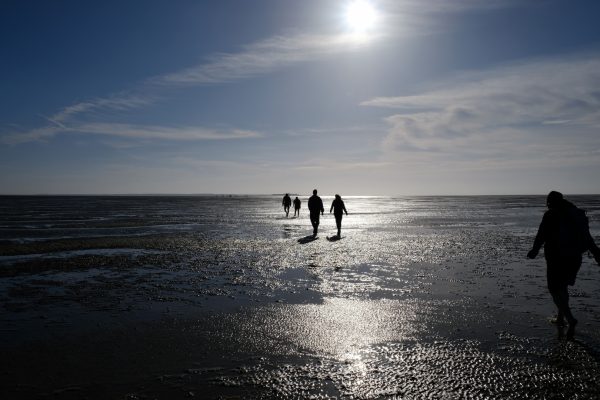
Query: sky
(367, 97)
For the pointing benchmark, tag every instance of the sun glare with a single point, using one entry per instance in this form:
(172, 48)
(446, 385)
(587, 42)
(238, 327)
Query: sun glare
(360, 16)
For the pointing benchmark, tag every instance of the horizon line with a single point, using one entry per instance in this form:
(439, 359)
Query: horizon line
(274, 194)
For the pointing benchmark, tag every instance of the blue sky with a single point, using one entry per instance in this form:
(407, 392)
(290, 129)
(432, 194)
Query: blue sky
(259, 97)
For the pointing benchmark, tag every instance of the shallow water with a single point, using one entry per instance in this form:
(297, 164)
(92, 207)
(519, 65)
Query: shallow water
(173, 297)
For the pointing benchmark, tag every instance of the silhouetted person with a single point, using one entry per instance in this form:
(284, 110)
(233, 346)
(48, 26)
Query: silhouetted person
(297, 204)
(286, 203)
(338, 207)
(565, 234)
(315, 206)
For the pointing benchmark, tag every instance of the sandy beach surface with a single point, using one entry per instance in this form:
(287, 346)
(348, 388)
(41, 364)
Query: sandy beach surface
(226, 298)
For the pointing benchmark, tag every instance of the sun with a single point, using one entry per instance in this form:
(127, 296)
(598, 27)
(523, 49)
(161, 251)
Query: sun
(360, 16)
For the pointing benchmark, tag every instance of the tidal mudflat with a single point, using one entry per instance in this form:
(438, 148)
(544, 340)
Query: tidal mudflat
(217, 297)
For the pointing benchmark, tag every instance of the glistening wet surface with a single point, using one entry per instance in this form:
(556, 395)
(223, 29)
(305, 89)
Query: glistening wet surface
(215, 297)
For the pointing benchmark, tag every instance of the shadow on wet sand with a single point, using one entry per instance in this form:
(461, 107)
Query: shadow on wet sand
(307, 239)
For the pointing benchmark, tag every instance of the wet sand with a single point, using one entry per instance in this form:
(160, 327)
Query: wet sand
(419, 312)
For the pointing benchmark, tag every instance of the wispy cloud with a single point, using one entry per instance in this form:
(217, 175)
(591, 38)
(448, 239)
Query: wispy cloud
(32, 135)
(418, 17)
(264, 56)
(165, 132)
(145, 132)
(538, 108)
(116, 102)
(445, 6)
(342, 166)
(254, 59)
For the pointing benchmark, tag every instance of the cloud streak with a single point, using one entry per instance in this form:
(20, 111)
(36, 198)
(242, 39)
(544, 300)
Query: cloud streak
(254, 59)
(444, 6)
(263, 57)
(144, 132)
(118, 102)
(165, 132)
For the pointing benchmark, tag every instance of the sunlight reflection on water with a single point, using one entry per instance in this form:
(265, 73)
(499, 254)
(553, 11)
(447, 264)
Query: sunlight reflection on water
(413, 292)
(337, 326)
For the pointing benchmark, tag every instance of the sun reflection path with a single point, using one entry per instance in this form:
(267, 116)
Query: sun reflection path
(440, 369)
(335, 328)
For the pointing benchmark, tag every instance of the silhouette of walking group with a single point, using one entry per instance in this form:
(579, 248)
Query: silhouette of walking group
(564, 234)
(316, 209)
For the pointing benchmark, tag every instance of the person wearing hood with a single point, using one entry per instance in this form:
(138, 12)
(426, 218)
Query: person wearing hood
(565, 235)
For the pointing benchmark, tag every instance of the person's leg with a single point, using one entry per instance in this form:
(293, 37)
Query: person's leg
(314, 220)
(560, 295)
(338, 223)
(563, 294)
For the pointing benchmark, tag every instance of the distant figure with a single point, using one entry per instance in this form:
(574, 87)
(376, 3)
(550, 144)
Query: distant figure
(339, 209)
(297, 204)
(565, 234)
(286, 203)
(315, 206)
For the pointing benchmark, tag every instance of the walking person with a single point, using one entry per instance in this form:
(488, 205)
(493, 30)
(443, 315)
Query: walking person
(565, 235)
(286, 203)
(339, 208)
(297, 204)
(315, 207)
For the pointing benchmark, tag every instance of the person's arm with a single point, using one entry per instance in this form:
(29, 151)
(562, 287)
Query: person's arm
(596, 253)
(539, 239)
(322, 209)
(344, 208)
(331, 207)
(593, 248)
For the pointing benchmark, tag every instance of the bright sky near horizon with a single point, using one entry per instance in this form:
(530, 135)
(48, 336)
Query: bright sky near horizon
(369, 97)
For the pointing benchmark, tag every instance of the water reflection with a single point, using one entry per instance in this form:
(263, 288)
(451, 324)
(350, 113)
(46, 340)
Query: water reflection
(440, 369)
(337, 327)
(403, 306)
